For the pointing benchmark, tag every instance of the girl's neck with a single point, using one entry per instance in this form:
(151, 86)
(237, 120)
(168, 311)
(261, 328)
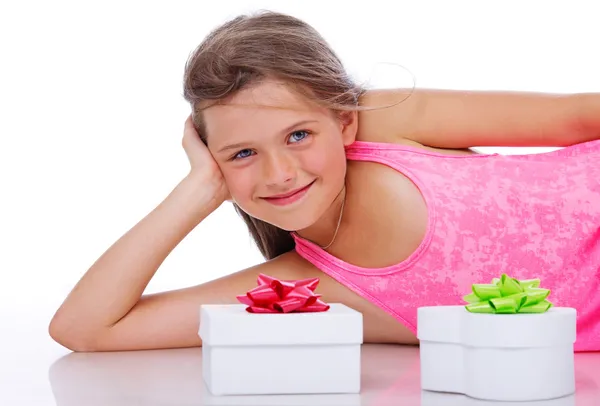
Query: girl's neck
(327, 229)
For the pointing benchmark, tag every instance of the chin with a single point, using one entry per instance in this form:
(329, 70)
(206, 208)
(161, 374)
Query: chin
(292, 222)
(296, 226)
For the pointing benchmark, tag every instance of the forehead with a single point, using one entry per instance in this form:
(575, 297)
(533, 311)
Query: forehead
(265, 107)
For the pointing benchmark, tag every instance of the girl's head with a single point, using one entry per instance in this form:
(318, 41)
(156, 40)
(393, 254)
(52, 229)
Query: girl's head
(275, 107)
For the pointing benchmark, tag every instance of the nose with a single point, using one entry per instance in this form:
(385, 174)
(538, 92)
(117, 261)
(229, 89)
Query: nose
(279, 169)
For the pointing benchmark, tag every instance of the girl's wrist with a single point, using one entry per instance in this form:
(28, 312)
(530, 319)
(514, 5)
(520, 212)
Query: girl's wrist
(196, 195)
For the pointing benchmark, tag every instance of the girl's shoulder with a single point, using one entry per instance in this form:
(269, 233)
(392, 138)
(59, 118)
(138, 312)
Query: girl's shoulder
(374, 139)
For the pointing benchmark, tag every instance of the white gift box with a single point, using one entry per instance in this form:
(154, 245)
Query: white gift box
(501, 357)
(280, 353)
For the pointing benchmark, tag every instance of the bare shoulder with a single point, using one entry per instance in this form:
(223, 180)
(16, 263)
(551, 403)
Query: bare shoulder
(444, 151)
(382, 138)
(399, 124)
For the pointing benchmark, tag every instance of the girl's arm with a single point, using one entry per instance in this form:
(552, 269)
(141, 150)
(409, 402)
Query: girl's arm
(112, 287)
(463, 119)
(106, 310)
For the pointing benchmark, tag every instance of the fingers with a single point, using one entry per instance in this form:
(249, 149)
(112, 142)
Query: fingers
(188, 126)
(189, 132)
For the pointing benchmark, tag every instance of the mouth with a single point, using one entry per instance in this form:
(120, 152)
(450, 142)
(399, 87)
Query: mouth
(289, 197)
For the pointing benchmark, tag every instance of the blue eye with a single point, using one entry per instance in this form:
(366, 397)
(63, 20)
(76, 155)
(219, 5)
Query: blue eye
(295, 137)
(298, 139)
(242, 154)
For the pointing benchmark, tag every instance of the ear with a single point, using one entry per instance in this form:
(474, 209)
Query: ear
(349, 126)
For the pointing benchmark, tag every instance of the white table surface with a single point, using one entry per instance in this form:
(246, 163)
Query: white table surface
(36, 371)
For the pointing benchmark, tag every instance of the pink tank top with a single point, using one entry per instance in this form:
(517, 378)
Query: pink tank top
(529, 216)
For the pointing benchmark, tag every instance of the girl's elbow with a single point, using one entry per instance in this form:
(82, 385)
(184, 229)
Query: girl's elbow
(68, 338)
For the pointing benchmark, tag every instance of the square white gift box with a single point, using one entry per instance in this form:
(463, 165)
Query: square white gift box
(498, 356)
(280, 353)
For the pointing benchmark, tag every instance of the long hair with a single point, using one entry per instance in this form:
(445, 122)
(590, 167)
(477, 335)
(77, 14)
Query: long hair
(258, 46)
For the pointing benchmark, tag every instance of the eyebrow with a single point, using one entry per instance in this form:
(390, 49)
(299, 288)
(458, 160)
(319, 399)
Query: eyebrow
(285, 130)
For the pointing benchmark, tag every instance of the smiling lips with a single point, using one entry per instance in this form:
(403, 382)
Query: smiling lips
(289, 197)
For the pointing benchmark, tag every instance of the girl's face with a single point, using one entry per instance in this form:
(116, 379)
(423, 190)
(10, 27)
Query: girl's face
(282, 157)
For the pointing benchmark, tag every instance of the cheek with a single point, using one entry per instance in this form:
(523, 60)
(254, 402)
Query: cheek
(328, 162)
(240, 182)
(314, 164)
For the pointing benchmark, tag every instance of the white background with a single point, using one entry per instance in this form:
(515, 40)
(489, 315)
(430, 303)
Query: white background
(92, 113)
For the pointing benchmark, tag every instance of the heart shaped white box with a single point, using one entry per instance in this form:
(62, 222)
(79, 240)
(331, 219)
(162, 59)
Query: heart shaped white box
(502, 357)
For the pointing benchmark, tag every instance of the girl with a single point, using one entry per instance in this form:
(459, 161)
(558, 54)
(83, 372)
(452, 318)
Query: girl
(388, 207)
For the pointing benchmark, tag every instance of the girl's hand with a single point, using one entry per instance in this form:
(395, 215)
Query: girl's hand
(204, 168)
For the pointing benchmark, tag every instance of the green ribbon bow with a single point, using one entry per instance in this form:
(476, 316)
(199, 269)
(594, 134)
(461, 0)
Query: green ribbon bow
(508, 295)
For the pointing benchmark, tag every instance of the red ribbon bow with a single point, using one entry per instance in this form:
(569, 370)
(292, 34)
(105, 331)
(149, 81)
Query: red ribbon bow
(276, 296)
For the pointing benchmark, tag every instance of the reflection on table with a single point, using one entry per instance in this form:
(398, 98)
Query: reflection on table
(390, 376)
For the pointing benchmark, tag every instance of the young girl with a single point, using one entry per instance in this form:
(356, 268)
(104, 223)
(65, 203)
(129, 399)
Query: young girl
(388, 207)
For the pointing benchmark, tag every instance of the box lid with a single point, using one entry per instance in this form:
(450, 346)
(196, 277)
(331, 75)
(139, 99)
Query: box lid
(232, 325)
(454, 324)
